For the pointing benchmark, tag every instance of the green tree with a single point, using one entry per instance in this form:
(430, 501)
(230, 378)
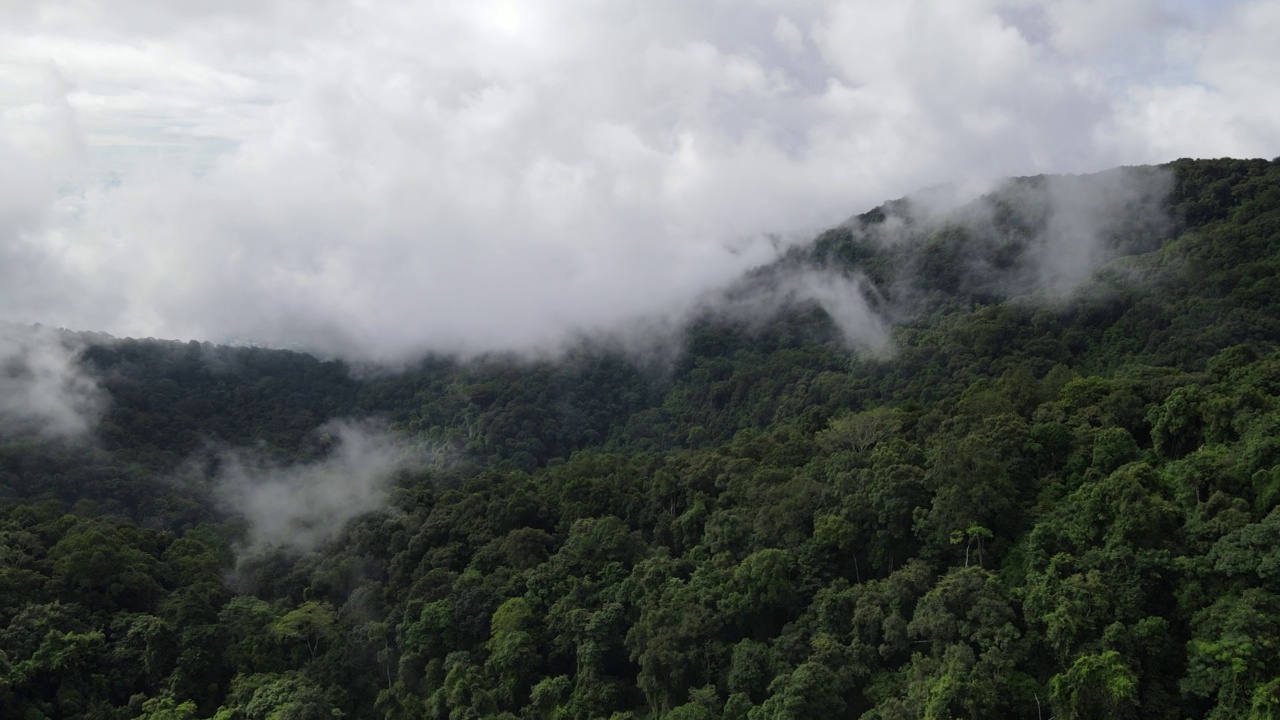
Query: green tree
(311, 623)
(1100, 685)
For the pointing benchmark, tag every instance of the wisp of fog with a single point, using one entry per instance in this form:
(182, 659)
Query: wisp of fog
(44, 389)
(1038, 238)
(297, 507)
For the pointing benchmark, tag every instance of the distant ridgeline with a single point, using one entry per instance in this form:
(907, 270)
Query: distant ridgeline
(1017, 457)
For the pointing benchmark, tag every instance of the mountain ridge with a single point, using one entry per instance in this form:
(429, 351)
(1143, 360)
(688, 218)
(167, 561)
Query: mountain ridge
(1021, 497)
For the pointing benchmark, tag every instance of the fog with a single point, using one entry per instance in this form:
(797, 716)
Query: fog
(376, 181)
(45, 391)
(296, 507)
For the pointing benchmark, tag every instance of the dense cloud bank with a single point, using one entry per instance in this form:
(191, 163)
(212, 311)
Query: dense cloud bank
(379, 180)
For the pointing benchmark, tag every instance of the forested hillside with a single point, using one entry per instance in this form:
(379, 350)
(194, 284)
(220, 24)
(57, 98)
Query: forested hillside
(937, 463)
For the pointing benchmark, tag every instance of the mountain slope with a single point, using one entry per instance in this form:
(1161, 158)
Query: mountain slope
(977, 461)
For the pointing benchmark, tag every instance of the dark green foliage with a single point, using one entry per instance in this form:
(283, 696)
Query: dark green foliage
(1038, 503)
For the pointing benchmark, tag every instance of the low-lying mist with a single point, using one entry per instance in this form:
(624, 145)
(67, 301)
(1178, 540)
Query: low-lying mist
(296, 507)
(376, 185)
(45, 391)
(1040, 239)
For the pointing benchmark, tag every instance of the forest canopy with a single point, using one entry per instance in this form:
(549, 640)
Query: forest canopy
(1014, 459)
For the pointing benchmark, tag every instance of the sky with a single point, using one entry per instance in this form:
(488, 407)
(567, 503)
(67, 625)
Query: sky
(380, 179)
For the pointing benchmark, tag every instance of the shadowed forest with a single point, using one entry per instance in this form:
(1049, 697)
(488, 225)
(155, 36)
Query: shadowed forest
(1014, 459)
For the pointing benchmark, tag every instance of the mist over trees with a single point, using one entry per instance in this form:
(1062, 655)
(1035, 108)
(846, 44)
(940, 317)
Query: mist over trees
(1012, 459)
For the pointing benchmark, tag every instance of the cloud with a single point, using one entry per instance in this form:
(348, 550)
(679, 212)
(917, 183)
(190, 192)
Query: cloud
(1041, 237)
(44, 392)
(376, 181)
(845, 298)
(298, 507)
(1048, 235)
(1091, 220)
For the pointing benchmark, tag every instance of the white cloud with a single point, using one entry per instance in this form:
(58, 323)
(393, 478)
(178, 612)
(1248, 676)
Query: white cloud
(1108, 30)
(43, 390)
(297, 507)
(380, 179)
(787, 34)
(1223, 102)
